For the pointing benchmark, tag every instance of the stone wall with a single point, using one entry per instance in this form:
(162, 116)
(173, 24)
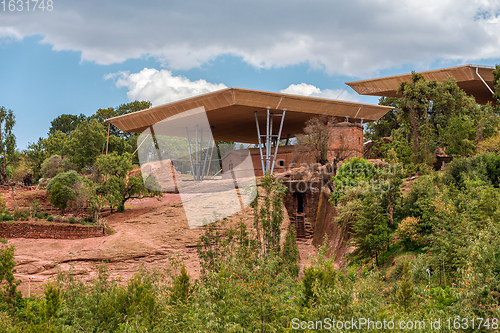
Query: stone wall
(346, 141)
(338, 236)
(48, 230)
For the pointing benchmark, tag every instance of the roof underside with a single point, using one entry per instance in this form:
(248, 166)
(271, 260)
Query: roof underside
(466, 76)
(231, 112)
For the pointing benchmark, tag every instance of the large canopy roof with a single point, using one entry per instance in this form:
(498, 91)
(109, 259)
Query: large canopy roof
(475, 80)
(231, 112)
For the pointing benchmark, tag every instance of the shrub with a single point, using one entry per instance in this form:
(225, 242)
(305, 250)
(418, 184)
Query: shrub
(490, 145)
(66, 178)
(408, 231)
(485, 167)
(34, 207)
(50, 218)
(2, 204)
(52, 300)
(19, 173)
(41, 215)
(61, 189)
(405, 289)
(51, 166)
(355, 172)
(60, 195)
(7, 216)
(181, 288)
(21, 214)
(71, 220)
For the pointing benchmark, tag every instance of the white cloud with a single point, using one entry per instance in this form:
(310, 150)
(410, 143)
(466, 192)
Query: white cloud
(342, 37)
(160, 86)
(310, 90)
(8, 33)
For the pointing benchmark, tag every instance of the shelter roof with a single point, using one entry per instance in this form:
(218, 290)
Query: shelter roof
(231, 112)
(475, 80)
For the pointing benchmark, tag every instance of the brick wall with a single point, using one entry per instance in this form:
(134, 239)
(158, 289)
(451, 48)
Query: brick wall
(48, 230)
(346, 139)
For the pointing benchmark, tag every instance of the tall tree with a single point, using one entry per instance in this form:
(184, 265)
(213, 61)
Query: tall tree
(66, 123)
(440, 114)
(7, 141)
(384, 126)
(496, 83)
(86, 143)
(102, 114)
(35, 155)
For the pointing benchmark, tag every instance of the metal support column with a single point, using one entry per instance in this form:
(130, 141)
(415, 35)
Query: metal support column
(278, 140)
(199, 162)
(268, 160)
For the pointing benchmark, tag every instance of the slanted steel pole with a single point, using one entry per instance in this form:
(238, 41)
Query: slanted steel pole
(260, 142)
(268, 145)
(196, 145)
(207, 149)
(155, 141)
(278, 140)
(190, 154)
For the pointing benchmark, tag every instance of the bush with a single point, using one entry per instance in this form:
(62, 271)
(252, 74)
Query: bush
(54, 165)
(21, 214)
(19, 173)
(50, 218)
(7, 216)
(408, 231)
(60, 195)
(71, 220)
(355, 172)
(51, 166)
(41, 215)
(485, 167)
(66, 178)
(181, 288)
(61, 189)
(490, 145)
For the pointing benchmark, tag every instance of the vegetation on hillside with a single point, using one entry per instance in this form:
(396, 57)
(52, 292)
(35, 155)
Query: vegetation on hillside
(425, 247)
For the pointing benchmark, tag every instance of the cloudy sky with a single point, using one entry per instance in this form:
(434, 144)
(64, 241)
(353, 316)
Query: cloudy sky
(74, 56)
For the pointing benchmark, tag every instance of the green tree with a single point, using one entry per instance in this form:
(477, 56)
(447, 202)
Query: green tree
(9, 294)
(7, 141)
(496, 83)
(355, 172)
(86, 143)
(61, 189)
(52, 300)
(102, 114)
(117, 186)
(57, 144)
(66, 123)
(405, 290)
(361, 212)
(268, 214)
(440, 114)
(384, 126)
(35, 155)
(181, 288)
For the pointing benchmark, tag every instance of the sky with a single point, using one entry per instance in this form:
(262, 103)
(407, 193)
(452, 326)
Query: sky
(70, 56)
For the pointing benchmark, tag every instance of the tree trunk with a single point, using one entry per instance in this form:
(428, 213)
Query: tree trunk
(414, 129)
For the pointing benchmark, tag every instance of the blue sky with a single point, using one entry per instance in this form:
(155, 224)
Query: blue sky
(85, 55)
